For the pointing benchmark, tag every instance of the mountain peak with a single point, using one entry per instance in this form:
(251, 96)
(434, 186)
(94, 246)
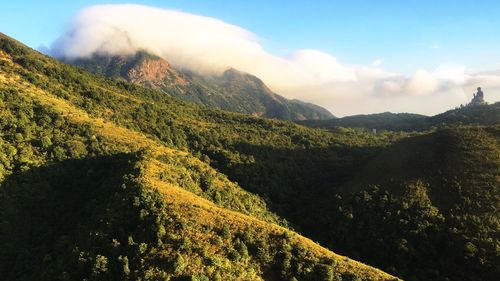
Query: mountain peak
(234, 90)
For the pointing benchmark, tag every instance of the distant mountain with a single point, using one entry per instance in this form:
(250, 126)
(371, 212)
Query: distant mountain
(232, 91)
(484, 114)
(387, 121)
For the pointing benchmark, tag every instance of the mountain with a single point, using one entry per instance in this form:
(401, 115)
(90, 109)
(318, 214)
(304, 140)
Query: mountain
(379, 121)
(232, 91)
(477, 114)
(249, 93)
(104, 180)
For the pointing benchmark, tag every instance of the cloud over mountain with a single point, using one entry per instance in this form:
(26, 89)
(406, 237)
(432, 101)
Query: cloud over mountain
(209, 45)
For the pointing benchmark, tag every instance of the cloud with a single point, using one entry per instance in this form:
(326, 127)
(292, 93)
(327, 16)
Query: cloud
(208, 45)
(377, 62)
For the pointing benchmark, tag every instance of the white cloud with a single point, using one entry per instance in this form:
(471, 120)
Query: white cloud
(422, 83)
(209, 45)
(450, 72)
(377, 62)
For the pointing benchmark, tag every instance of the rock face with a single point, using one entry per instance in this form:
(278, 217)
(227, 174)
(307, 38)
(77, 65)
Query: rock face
(155, 74)
(231, 91)
(478, 98)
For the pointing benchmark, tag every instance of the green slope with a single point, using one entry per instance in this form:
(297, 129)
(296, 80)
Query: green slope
(100, 218)
(105, 180)
(429, 202)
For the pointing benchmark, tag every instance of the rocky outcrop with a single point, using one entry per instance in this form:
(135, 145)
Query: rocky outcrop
(155, 74)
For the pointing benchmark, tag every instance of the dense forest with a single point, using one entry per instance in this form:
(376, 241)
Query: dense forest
(420, 205)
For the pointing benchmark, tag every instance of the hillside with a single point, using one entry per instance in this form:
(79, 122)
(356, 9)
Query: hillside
(101, 180)
(232, 91)
(436, 194)
(468, 115)
(362, 194)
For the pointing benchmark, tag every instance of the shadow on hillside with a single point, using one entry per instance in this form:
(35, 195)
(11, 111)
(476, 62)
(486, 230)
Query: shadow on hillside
(294, 181)
(42, 208)
(298, 183)
(311, 189)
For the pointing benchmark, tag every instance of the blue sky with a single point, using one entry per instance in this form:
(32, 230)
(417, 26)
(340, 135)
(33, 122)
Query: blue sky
(350, 56)
(406, 34)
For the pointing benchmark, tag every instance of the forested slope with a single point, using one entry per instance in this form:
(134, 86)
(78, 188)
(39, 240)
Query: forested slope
(429, 202)
(102, 180)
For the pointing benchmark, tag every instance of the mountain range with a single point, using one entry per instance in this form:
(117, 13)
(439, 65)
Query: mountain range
(103, 179)
(231, 91)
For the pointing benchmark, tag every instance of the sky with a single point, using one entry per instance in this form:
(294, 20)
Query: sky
(348, 56)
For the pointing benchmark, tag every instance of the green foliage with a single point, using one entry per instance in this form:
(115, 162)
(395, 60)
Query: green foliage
(94, 219)
(423, 206)
(71, 208)
(440, 203)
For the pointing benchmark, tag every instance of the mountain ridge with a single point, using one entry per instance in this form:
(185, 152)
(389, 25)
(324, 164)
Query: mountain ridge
(232, 90)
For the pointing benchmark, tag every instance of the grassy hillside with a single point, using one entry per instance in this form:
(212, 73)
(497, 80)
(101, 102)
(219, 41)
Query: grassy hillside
(102, 180)
(232, 91)
(113, 217)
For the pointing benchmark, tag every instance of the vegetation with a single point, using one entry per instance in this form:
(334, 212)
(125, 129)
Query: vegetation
(82, 197)
(423, 206)
(437, 211)
(80, 219)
